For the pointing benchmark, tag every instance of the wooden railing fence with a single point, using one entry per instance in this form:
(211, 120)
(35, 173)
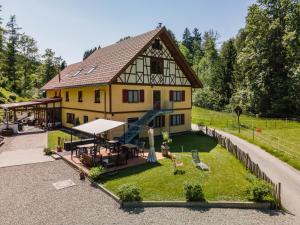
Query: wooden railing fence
(246, 160)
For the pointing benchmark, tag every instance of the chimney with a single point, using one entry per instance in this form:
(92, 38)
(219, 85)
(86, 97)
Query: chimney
(59, 77)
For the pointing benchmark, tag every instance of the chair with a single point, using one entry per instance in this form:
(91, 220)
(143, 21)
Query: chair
(87, 160)
(197, 161)
(141, 146)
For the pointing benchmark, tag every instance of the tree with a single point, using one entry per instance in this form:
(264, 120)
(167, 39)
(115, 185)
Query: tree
(270, 55)
(11, 52)
(187, 39)
(26, 63)
(51, 64)
(88, 52)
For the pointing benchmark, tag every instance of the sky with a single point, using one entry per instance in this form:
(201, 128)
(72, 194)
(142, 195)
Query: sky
(70, 27)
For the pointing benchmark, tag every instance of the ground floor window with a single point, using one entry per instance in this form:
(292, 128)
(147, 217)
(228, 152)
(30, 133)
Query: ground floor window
(85, 119)
(177, 119)
(70, 118)
(158, 122)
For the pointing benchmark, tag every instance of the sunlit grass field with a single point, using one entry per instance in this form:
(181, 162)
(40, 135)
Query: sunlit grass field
(280, 137)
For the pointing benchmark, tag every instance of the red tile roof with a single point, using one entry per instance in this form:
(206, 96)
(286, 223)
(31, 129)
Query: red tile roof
(108, 61)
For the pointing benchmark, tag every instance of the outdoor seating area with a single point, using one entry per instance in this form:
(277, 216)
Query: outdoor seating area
(111, 157)
(98, 150)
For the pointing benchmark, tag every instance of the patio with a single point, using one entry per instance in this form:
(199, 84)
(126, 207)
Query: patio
(96, 149)
(141, 159)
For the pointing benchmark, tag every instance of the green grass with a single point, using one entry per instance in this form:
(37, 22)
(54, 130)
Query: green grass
(53, 136)
(279, 137)
(226, 179)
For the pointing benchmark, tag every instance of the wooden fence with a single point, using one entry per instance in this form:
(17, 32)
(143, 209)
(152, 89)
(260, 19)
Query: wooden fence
(246, 160)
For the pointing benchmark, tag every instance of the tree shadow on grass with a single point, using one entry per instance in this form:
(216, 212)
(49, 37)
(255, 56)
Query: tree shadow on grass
(134, 170)
(188, 142)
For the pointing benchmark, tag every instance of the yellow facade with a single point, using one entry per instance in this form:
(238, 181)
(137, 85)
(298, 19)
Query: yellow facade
(111, 105)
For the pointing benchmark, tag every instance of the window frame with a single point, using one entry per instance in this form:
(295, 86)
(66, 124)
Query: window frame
(85, 119)
(80, 96)
(67, 96)
(177, 119)
(156, 65)
(70, 118)
(97, 97)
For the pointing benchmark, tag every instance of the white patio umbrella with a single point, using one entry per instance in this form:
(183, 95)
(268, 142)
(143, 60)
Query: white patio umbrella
(151, 155)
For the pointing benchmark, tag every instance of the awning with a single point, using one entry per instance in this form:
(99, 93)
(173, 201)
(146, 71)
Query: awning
(98, 126)
(34, 102)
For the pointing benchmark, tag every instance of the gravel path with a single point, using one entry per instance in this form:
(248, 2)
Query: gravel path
(28, 197)
(277, 170)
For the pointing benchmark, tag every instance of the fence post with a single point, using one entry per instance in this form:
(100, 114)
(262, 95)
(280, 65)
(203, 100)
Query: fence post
(279, 194)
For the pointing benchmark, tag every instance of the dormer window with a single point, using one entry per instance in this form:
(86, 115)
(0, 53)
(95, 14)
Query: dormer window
(157, 65)
(157, 45)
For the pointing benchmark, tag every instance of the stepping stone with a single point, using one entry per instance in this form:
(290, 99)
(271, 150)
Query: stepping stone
(63, 184)
(55, 156)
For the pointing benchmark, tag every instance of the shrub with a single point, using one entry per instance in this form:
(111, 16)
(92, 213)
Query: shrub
(48, 151)
(95, 172)
(193, 191)
(129, 192)
(13, 97)
(260, 191)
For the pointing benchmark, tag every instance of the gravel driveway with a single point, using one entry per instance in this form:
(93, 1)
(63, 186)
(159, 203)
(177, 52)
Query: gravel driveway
(28, 197)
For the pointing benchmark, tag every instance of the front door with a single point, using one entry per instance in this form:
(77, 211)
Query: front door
(156, 100)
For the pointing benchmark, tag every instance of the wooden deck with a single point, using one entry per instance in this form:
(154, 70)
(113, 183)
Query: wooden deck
(131, 162)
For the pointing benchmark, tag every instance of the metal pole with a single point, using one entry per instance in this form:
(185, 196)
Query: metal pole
(124, 133)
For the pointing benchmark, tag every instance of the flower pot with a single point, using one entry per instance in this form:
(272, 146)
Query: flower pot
(81, 175)
(165, 150)
(59, 149)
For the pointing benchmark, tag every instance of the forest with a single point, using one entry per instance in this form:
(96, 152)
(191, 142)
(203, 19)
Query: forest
(258, 69)
(23, 70)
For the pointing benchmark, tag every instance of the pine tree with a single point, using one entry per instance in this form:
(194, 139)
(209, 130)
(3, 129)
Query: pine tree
(187, 39)
(11, 52)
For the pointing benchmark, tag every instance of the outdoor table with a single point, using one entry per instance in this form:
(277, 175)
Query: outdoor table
(86, 146)
(112, 144)
(133, 149)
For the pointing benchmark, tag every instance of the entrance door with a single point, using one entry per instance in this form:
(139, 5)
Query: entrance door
(156, 100)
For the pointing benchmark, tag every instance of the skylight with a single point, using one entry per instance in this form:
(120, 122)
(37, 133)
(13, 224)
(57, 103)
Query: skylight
(78, 72)
(91, 70)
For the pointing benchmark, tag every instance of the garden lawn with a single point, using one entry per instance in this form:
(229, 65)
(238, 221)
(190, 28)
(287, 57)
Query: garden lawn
(279, 137)
(226, 179)
(53, 136)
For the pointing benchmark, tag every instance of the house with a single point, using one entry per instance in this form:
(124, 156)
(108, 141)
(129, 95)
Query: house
(143, 80)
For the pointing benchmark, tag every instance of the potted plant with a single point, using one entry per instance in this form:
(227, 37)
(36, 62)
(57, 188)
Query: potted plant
(165, 148)
(81, 174)
(60, 143)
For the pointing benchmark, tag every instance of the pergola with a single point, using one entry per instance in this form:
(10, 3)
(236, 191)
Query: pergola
(40, 108)
(97, 127)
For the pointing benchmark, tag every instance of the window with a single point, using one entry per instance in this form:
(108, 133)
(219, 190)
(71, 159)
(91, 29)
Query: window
(85, 119)
(157, 65)
(79, 96)
(157, 122)
(177, 96)
(97, 96)
(156, 45)
(70, 118)
(133, 96)
(67, 96)
(177, 119)
(77, 73)
(91, 70)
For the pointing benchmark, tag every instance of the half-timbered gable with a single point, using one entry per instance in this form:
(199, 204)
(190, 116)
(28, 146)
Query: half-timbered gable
(154, 66)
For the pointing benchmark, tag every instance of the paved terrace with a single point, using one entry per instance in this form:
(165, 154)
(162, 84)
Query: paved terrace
(28, 197)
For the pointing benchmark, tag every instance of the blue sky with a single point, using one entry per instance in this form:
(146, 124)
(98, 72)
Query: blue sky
(70, 27)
